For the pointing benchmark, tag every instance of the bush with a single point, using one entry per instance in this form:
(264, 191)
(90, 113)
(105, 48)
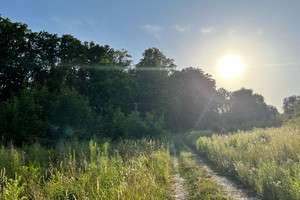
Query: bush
(194, 135)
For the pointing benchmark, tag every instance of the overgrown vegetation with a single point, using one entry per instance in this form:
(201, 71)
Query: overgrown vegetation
(199, 182)
(266, 160)
(129, 169)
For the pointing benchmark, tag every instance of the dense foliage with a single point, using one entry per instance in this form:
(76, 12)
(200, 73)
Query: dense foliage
(57, 87)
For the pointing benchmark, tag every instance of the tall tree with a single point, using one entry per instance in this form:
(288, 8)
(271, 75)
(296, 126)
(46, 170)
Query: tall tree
(289, 105)
(21, 119)
(197, 96)
(151, 74)
(16, 61)
(247, 109)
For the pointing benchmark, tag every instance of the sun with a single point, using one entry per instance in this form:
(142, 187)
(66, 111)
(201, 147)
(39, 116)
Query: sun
(230, 67)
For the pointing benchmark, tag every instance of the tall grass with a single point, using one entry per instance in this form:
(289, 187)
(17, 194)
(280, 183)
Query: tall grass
(267, 160)
(86, 170)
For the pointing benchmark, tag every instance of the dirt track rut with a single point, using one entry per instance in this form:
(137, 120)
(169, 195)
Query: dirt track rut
(179, 191)
(233, 189)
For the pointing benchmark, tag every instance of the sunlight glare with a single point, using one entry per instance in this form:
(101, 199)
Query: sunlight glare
(230, 67)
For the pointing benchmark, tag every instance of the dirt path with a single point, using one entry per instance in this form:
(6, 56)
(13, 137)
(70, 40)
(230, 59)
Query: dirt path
(234, 190)
(179, 191)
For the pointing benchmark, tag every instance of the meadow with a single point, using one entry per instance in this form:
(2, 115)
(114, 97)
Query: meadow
(56, 87)
(130, 169)
(265, 160)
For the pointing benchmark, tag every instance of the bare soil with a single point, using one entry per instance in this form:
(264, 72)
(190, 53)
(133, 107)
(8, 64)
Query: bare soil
(179, 191)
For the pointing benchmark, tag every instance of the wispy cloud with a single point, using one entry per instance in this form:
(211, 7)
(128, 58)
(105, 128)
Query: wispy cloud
(181, 29)
(63, 21)
(67, 24)
(91, 22)
(153, 29)
(80, 25)
(206, 30)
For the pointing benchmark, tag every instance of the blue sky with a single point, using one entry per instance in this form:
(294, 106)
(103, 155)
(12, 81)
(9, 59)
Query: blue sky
(264, 34)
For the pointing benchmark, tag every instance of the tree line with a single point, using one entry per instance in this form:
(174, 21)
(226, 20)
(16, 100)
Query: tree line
(56, 87)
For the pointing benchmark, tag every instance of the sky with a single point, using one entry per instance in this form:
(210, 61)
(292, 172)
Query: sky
(264, 34)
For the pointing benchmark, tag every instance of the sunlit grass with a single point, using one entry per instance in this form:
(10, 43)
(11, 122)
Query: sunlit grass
(267, 160)
(85, 170)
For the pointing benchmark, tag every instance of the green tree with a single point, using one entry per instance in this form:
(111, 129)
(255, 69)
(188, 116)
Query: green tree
(247, 110)
(111, 87)
(151, 74)
(289, 105)
(45, 50)
(21, 118)
(198, 108)
(16, 59)
(70, 115)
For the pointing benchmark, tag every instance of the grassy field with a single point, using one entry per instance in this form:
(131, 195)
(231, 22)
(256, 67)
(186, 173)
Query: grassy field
(129, 169)
(200, 184)
(266, 160)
